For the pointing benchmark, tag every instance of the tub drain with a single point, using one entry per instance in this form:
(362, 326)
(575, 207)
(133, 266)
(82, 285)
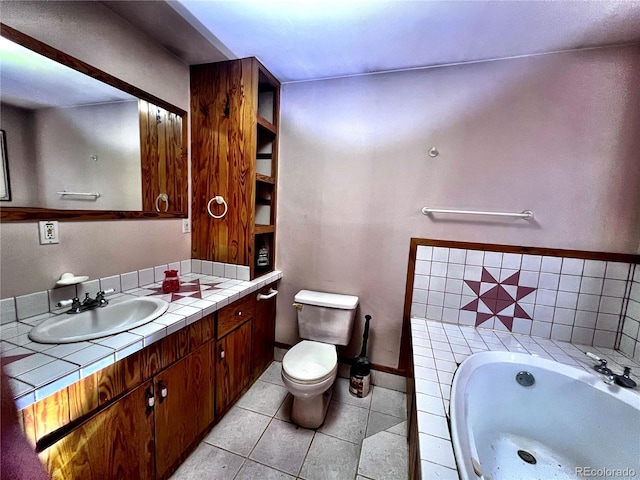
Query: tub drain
(527, 457)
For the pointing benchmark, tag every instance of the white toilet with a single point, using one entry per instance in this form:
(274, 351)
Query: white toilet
(310, 367)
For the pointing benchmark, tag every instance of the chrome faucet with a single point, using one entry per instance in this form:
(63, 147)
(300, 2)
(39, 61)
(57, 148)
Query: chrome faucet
(88, 303)
(624, 380)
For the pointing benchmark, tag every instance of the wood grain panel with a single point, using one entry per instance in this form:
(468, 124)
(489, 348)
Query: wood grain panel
(115, 444)
(83, 397)
(233, 367)
(119, 377)
(174, 347)
(202, 372)
(208, 327)
(176, 426)
(195, 335)
(28, 424)
(151, 360)
(51, 413)
(264, 331)
(235, 314)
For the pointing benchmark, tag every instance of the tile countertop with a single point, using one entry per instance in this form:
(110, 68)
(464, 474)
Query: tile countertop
(37, 370)
(438, 349)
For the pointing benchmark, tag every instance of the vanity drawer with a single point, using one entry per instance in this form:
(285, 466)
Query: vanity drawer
(235, 314)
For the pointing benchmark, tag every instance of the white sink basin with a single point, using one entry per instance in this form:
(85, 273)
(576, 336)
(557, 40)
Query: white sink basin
(100, 322)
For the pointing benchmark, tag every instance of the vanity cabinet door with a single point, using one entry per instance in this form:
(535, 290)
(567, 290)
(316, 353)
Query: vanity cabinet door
(117, 443)
(176, 420)
(264, 330)
(233, 366)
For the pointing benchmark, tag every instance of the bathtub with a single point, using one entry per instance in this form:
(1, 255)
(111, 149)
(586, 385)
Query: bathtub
(568, 424)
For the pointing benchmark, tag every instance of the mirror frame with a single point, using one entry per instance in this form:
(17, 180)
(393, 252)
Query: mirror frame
(26, 214)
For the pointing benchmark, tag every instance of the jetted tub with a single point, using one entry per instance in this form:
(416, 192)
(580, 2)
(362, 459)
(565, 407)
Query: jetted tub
(568, 424)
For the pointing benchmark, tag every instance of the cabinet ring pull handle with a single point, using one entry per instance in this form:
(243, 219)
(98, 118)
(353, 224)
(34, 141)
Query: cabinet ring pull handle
(219, 200)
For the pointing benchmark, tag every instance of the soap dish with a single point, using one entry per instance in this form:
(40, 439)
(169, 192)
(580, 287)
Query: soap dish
(71, 279)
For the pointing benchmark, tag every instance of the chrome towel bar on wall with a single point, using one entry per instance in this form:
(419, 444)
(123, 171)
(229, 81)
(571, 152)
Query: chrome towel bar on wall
(527, 214)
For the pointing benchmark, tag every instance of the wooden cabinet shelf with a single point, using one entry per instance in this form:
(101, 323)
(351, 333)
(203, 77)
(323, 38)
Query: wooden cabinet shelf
(235, 109)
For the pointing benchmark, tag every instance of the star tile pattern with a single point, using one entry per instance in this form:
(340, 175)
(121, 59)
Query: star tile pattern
(498, 299)
(191, 289)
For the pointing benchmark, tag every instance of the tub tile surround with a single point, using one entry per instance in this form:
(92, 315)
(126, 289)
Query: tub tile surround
(39, 370)
(578, 300)
(438, 349)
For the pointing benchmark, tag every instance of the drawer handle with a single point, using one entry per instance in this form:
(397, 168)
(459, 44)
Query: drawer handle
(272, 293)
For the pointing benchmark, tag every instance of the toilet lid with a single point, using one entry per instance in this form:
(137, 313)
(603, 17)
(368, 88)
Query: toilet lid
(309, 360)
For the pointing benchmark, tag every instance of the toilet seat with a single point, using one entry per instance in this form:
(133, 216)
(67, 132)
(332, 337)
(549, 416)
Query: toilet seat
(310, 362)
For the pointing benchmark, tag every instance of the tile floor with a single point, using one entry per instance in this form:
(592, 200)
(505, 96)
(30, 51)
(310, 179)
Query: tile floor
(362, 438)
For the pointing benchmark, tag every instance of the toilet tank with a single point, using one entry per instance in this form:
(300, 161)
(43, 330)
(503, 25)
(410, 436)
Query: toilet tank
(326, 317)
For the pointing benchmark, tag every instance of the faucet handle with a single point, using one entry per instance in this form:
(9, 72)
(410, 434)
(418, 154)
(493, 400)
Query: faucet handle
(66, 303)
(102, 293)
(602, 366)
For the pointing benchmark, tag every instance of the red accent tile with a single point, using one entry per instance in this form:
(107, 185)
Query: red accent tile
(523, 292)
(520, 313)
(475, 286)
(506, 321)
(482, 317)
(502, 304)
(504, 295)
(14, 358)
(471, 306)
(491, 293)
(490, 303)
(512, 280)
(487, 277)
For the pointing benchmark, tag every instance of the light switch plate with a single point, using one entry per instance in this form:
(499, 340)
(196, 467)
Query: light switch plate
(48, 232)
(186, 225)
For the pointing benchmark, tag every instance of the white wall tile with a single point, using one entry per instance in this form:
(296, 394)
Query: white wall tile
(453, 286)
(174, 266)
(32, 304)
(594, 268)
(604, 339)
(529, 279)
(423, 267)
(419, 296)
(631, 328)
(146, 276)
(627, 345)
(582, 335)
(543, 313)
(129, 281)
(610, 305)
(567, 300)
(437, 284)
(466, 318)
(588, 302)
(506, 273)
(438, 269)
(564, 316)
(450, 315)
(635, 289)
(196, 266)
(531, 262)
(572, 266)
(475, 257)
(8, 310)
(421, 281)
(112, 282)
(512, 261)
(92, 287)
(551, 264)
(435, 298)
(561, 332)
(452, 300)
(633, 310)
(591, 285)
(218, 269)
(585, 319)
(492, 259)
(472, 273)
(424, 252)
(617, 270)
(549, 281)
(541, 329)
(546, 297)
(607, 321)
(185, 267)
(455, 271)
(419, 310)
(440, 254)
(522, 325)
(457, 255)
(206, 267)
(614, 288)
(570, 283)
(158, 273)
(58, 294)
(243, 273)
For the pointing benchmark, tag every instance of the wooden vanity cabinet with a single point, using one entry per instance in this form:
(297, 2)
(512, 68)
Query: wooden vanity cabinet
(117, 443)
(103, 427)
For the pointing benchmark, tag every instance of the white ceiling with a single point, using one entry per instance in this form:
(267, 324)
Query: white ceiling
(304, 40)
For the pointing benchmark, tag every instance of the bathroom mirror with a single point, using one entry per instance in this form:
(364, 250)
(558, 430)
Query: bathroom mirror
(84, 145)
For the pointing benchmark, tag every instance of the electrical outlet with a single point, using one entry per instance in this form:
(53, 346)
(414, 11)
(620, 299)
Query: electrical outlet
(186, 225)
(48, 232)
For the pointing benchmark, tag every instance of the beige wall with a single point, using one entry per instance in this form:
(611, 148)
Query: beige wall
(556, 134)
(94, 34)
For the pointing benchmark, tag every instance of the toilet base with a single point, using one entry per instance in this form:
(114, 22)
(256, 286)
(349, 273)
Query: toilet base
(311, 412)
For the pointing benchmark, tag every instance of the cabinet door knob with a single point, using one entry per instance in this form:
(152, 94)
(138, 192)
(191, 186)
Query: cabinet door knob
(151, 401)
(239, 313)
(221, 353)
(163, 389)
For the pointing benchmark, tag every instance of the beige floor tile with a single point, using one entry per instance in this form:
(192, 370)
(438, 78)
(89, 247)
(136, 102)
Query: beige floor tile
(273, 374)
(384, 457)
(284, 412)
(238, 431)
(330, 458)
(345, 421)
(379, 422)
(390, 402)
(254, 471)
(208, 462)
(263, 397)
(283, 446)
(341, 394)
